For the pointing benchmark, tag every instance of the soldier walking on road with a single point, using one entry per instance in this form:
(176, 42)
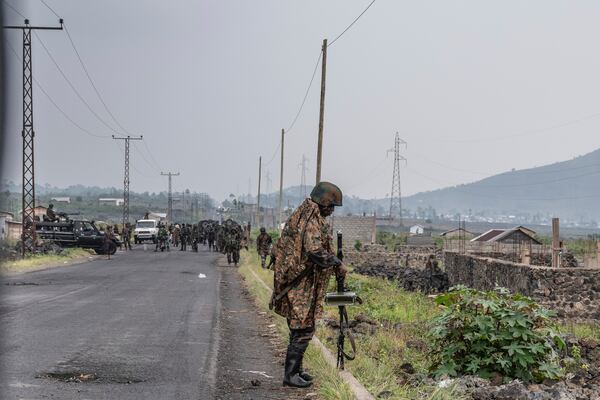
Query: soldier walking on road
(304, 264)
(263, 246)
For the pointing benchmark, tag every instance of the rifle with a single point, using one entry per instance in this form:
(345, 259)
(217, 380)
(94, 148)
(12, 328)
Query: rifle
(341, 299)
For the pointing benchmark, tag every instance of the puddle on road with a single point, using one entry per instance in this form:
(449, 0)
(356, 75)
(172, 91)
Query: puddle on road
(75, 377)
(87, 377)
(21, 284)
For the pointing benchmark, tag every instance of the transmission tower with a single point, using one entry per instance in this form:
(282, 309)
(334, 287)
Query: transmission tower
(170, 194)
(126, 176)
(28, 197)
(396, 194)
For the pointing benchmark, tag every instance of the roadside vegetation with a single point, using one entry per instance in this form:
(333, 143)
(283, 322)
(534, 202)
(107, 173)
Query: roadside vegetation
(405, 338)
(38, 261)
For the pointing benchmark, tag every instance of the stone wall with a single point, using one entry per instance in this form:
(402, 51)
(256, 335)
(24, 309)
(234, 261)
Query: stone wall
(572, 292)
(376, 254)
(354, 228)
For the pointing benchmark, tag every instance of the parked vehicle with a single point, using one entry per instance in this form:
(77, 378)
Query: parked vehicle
(145, 229)
(75, 233)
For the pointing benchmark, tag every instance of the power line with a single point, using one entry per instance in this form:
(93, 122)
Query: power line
(74, 89)
(151, 156)
(524, 133)
(312, 78)
(144, 158)
(274, 154)
(13, 8)
(353, 22)
(67, 117)
(91, 80)
(50, 8)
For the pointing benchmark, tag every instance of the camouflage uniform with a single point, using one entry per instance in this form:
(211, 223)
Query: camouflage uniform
(263, 246)
(305, 242)
(304, 262)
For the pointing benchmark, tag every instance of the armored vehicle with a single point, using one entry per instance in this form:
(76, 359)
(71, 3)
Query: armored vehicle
(75, 233)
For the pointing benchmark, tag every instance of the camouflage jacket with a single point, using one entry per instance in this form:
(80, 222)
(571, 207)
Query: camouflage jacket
(305, 235)
(263, 243)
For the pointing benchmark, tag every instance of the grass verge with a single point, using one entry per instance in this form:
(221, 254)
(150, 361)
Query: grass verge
(329, 385)
(391, 361)
(39, 261)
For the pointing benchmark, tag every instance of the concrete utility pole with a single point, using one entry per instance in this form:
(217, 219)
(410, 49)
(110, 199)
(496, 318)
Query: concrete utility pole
(321, 111)
(126, 177)
(303, 176)
(28, 182)
(258, 195)
(396, 194)
(555, 243)
(170, 194)
(281, 176)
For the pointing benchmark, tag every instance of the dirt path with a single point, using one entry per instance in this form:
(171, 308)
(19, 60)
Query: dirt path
(250, 361)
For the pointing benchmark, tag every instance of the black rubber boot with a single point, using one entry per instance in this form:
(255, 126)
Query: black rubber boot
(291, 376)
(303, 374)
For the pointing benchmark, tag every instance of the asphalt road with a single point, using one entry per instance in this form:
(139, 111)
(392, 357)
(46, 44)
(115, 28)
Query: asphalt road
(143, 325)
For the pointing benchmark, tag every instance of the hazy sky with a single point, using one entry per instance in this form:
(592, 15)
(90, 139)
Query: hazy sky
(474, 87)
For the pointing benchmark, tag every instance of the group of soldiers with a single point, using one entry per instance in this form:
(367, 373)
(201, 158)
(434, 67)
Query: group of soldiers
(228, 237)
(178, 235)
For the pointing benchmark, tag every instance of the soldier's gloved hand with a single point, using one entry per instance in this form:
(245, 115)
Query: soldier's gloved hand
(334, 261)
(341, 271)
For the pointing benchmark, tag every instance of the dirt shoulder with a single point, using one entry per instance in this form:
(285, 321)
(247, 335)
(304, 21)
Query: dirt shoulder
(42, 262)
(251, 353)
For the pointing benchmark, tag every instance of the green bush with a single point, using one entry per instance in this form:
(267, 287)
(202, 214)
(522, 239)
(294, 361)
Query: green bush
(490, 333)
(357, 245)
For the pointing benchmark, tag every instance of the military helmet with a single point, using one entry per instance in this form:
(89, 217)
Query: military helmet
(326, 194)
(263, 230)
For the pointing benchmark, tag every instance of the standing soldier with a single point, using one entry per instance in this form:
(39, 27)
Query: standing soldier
(184, 237)
(176, 234)
(108, 244)
(127, 236)
(305, 261)
(263, 246)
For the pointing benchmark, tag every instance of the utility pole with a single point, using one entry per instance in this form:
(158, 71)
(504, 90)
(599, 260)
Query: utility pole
(28, 182)
(170, 194)
(303, 176)
(281, 176)
(258, 195)
(396, 194)
(126, 178)
(321, 111)
(556, 247)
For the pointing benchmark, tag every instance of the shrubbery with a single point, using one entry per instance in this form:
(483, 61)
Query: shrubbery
(491, 333)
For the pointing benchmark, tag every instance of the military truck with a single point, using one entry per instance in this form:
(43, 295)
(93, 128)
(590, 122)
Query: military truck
(75, 233)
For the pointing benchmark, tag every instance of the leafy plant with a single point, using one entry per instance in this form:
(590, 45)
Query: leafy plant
(357, 245)
(495, 332)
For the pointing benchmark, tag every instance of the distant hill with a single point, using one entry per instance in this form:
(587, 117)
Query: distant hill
(569, 189)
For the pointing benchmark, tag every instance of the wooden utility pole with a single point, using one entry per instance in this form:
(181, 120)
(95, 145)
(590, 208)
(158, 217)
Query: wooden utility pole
(321, 111)
(258, 196)
(281, 177)
(555, 243)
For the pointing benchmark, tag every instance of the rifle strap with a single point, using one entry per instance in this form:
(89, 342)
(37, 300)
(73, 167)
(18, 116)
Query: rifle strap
(293, 283)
